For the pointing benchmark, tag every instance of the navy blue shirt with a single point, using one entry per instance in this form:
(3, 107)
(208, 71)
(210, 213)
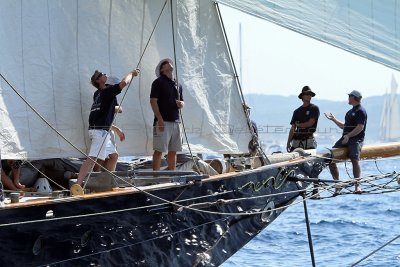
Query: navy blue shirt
(103, 107)
(304, 114)
(356, 115)
(165, 90)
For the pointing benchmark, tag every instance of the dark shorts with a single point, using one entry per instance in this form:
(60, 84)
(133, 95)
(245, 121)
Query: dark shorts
(353, 147)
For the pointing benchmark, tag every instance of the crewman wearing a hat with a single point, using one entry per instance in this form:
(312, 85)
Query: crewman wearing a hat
(304, 123)
(166, 100)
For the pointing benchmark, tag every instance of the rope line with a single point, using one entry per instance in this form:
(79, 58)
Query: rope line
(376, 250)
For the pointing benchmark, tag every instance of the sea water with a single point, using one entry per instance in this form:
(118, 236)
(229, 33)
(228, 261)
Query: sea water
(344, 229)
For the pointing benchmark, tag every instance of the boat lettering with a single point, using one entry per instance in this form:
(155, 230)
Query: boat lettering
(275, 181)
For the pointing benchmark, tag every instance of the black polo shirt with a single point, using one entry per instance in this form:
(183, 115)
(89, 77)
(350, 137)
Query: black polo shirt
(103, 107)
(304, 114)
(356, 115)
(165, 90)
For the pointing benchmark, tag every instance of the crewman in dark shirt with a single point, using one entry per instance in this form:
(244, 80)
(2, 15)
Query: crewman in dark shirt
(304, 123)
(352, 138)
(166, 100)
(101, 118)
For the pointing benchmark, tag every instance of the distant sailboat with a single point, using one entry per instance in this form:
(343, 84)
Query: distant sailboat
(390, 119)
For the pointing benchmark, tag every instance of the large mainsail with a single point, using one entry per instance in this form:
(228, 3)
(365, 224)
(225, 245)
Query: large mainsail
(369, 28)
(390, 118)
(49, 50)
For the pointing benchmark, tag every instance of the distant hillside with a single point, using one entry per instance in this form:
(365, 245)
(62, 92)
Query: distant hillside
(273, 113)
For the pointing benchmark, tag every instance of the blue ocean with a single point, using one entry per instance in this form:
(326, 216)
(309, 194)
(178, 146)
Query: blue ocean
(344, 229)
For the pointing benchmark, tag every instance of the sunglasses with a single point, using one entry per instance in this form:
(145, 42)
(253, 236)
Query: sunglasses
(100, 75)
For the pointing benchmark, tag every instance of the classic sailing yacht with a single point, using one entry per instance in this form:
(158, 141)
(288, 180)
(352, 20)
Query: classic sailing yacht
(48, 51)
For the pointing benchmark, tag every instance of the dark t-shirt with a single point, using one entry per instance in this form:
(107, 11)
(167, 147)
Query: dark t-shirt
(301, 115)
(356, 115)
(103, 107)
(165, 90)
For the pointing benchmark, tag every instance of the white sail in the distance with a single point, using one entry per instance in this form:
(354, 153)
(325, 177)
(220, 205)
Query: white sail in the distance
(390, 118)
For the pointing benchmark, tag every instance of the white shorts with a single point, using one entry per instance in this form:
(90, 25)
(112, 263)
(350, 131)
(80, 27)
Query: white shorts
(101, 144)
(168, 140)
(111, 146)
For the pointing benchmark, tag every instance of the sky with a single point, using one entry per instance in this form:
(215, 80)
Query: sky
(280, 62)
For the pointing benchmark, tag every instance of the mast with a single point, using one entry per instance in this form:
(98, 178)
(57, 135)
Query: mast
(240, 55)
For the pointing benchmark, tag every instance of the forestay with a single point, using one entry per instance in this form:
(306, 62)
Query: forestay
(49, 50)
(369, 28)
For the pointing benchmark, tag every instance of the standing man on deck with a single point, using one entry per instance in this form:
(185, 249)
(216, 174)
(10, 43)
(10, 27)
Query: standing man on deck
(166, 99)
(352, 138)
(101, 118)
(304, 123)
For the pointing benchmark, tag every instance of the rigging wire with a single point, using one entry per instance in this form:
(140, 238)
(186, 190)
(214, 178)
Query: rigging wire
(207, 204)
(376, 250)
(124, 95)
(236, 76)
(59, 133)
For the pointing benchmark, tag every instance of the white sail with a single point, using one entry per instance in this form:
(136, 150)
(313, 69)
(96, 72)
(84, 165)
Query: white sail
(370, 28)
(390, 119)
(49, 50)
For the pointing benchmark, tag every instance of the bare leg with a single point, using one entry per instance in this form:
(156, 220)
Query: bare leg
(86, 166)
(334, 170)
(97, 167)
(171, 159)
(16, 173)
(335, 175)
(356, 173)
(111, 162)
(157, 160)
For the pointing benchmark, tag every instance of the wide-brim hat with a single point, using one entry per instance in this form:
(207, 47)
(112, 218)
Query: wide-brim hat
(306, 90)
(157, 70)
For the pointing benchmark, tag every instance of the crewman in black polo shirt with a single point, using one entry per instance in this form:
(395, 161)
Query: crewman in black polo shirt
(166, 100)
(304, 123)
(352, 138)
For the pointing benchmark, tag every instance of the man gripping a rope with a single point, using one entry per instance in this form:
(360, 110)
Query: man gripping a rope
(101, 118)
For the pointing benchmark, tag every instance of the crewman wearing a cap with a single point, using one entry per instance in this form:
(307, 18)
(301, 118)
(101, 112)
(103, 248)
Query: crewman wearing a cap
(353, 136)
(166, 100)
(101, 118)
(304, 123)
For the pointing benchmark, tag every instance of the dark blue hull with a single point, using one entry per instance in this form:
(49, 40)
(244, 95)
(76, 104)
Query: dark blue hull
(135, 229)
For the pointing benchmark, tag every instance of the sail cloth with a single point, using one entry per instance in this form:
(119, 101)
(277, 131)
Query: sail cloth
(50, 49)
(390, 118)
(369, 28)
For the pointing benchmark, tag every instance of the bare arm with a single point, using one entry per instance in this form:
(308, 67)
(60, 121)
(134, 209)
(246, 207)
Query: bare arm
(355, 131)
(127, 79)
(290, 137)
(119, 132)
(331, 117)
(157, 114)
(180, 104)
(306, 124)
